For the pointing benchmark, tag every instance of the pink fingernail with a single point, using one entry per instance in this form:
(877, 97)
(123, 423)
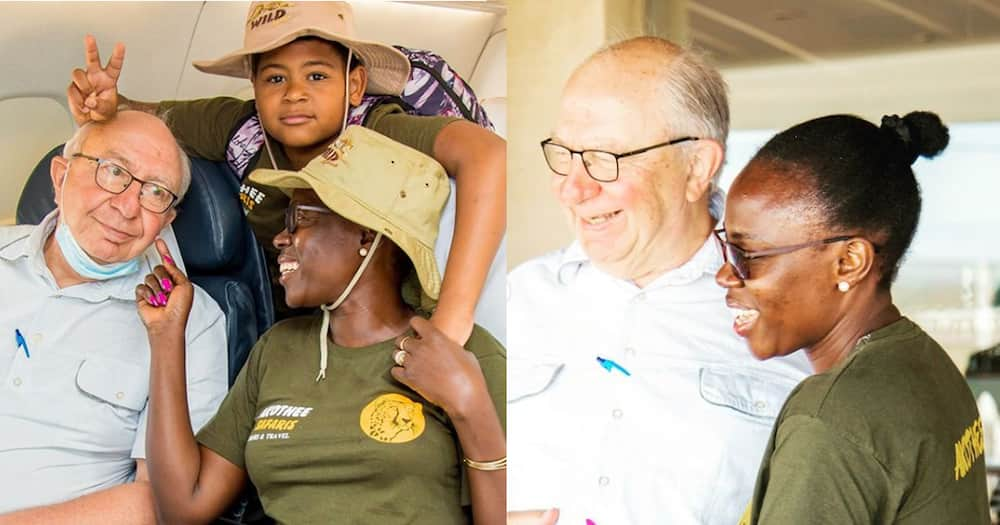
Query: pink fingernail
(166, 284)
(169, 259)
(162, 298)
(152, 300)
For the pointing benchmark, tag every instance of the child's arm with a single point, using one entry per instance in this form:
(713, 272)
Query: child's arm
(477, 160)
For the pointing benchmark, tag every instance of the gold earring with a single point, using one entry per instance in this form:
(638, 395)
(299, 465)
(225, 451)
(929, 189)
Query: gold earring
(843, 286)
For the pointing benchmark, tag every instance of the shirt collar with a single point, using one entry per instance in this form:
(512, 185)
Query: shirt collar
(33, 247)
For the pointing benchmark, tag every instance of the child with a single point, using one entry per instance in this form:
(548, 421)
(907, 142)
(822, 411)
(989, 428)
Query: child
(306, 68)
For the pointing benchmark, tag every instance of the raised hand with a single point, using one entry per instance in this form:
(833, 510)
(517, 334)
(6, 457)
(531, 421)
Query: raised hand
(164, 299)
(93, 93)
(439, 369)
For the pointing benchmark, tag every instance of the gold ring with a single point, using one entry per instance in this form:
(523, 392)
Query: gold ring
(399, 356)
(402, 342)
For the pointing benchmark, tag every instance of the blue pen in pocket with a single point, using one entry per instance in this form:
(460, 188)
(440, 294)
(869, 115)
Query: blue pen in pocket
(21, 343)
(610, 365)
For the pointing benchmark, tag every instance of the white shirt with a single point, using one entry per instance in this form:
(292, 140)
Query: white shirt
(73, 407)
(679, 440)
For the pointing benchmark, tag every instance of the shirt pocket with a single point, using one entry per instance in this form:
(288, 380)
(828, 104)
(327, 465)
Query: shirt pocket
(758, 396)
(526, 381)
(119, 384)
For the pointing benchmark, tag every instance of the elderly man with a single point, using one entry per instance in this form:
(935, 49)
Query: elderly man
(75, 365)
(631, 399)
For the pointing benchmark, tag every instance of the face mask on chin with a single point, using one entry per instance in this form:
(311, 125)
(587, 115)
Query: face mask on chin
(86, 267)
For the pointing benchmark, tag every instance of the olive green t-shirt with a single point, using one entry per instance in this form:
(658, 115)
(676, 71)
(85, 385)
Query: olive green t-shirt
(890, 436)
(205, 128)
(356, 447)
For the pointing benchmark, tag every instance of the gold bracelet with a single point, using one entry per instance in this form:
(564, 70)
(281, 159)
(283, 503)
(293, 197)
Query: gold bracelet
(496, 464)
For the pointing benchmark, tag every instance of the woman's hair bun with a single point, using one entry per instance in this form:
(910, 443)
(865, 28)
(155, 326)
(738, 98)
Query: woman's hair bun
(921, 132)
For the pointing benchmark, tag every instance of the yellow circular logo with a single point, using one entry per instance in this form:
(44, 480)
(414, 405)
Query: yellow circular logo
(393, 418)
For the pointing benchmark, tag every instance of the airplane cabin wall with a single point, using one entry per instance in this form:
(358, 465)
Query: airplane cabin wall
(162, 38)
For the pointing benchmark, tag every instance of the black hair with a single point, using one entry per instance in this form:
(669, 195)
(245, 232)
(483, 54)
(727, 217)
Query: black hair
(339, 48)
(861, 176)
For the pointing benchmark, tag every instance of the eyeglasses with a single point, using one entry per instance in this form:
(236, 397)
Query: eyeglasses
(113, 178)
(292, 215)
(740, 258)
(602, 166)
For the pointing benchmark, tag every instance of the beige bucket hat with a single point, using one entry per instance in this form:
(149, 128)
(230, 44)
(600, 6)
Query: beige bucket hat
(374, 181)
(270, 25)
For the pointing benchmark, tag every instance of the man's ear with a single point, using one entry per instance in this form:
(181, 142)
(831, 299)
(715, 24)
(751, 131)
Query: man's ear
(58, 168)
(704, 158)
(358, 82)
(171, 215)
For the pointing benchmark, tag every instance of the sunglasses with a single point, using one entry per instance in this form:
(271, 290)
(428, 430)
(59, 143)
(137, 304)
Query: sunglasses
(740, 259)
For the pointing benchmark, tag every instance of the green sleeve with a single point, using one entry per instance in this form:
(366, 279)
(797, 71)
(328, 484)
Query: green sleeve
(492, 358)
(227, 432)
(817, 475)
(202, 127)
(416, 132)
(493, 362)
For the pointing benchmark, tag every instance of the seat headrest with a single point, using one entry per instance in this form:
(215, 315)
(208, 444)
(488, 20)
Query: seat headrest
(209, 224)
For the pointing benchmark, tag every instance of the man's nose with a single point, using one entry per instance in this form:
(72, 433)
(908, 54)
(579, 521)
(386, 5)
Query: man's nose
(577, 186)
(127, 202)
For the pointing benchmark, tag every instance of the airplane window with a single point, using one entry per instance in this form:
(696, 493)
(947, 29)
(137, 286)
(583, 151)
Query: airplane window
(949, 283)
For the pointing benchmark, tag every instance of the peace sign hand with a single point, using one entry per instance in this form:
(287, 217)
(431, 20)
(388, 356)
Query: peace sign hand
(93, 93)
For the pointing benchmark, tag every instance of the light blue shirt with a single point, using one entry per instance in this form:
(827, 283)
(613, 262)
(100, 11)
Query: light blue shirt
(679, 439)
(73, 414)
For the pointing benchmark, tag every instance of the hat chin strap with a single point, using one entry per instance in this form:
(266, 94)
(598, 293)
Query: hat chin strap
(343, 122)
(347, 90)
(327, 308)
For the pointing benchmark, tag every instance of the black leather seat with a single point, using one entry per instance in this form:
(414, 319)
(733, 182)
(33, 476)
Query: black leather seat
(219, 249)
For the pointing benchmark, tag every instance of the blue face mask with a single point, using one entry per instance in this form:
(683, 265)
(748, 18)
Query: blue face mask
(83, 265)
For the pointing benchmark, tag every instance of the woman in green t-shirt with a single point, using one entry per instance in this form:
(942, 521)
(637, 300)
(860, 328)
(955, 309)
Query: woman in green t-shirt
(886, 431)
(367, 414)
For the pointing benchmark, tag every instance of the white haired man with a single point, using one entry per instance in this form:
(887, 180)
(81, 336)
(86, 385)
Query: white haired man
(630, 398)
(75, 369)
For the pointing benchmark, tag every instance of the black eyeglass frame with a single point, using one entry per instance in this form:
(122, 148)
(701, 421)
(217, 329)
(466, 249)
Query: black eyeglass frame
(132, 178)
(731, 252)
(616, 156)
(291, 215)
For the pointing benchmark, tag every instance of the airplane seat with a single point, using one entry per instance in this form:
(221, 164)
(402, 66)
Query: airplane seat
(217, 246)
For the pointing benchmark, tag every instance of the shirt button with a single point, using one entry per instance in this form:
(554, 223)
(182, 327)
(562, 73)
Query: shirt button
(617, 413)
(603, 481)
(760, 405)
(17, 381)
(629, 351)
(119, 395)
(37, 339)
(640, 297)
